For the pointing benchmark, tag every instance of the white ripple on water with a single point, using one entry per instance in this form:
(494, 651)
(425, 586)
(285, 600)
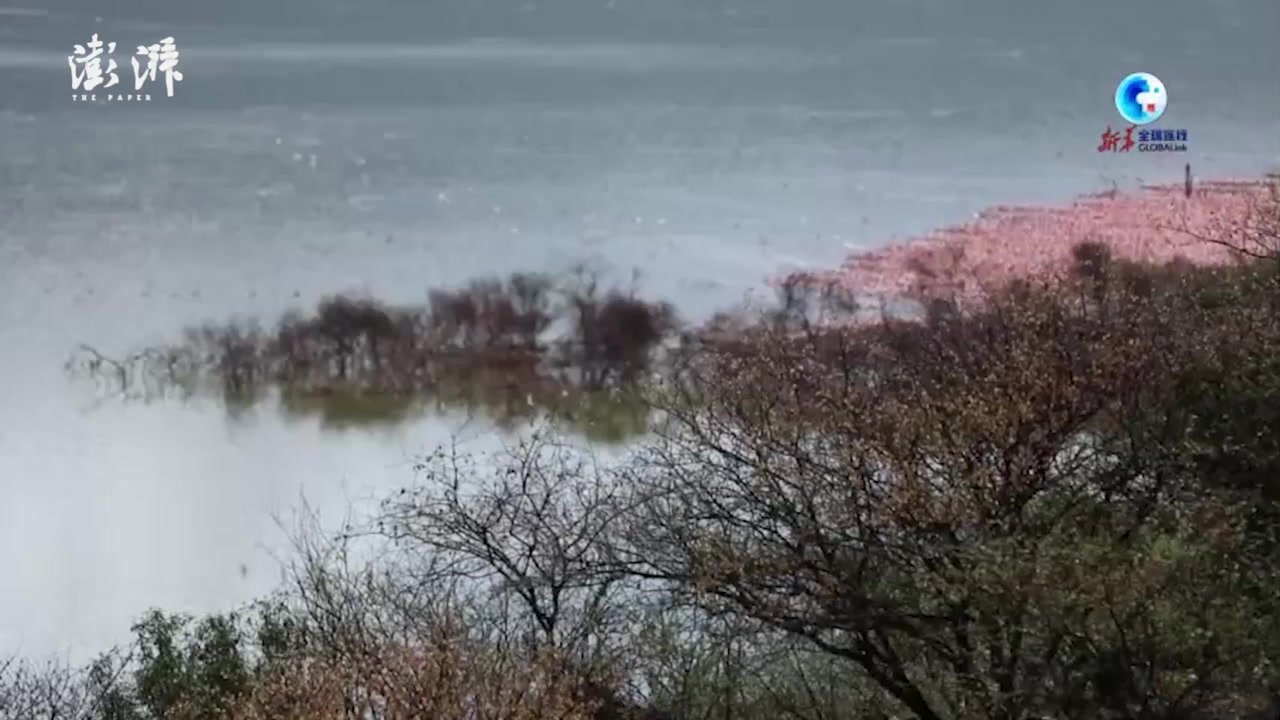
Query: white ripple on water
(15, 58)
(365, 202)
(275, 190)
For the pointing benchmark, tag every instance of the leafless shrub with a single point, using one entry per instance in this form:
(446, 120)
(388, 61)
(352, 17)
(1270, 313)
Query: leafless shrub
(531, 526)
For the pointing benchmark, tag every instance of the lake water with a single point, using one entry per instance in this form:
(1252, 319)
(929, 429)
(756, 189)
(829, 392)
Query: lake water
(388, 147)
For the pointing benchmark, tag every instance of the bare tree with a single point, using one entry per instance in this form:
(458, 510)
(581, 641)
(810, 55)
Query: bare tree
(532, 525)
(49, 691)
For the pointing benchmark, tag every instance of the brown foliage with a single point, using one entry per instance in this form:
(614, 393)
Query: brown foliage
(453, 679)
(991, 513)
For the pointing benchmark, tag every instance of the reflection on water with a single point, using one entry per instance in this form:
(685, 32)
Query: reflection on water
(602, 416)
(344, 411)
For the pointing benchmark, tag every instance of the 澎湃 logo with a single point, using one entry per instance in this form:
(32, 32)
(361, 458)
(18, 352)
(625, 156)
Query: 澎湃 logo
(93, 67)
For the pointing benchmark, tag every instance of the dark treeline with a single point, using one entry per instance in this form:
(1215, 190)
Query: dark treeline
(1061, 504)
(512, 348)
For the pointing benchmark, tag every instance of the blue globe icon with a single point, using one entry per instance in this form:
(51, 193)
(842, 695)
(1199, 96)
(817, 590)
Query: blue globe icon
(1141, 98)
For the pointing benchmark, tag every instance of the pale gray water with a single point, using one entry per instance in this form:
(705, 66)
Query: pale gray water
(315, 147)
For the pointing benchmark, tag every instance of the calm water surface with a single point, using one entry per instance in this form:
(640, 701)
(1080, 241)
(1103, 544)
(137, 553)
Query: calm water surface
(387, 147)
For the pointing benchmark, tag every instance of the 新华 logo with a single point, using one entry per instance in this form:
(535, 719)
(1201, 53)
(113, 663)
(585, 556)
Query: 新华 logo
(1141, 98)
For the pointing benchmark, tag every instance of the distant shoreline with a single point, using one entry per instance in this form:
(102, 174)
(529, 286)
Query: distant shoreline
(1154, 224)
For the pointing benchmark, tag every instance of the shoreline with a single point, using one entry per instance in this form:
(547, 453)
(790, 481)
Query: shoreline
(1153, 223)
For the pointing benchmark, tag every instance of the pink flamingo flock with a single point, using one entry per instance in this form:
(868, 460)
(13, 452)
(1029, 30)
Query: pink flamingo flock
(1155, 224)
